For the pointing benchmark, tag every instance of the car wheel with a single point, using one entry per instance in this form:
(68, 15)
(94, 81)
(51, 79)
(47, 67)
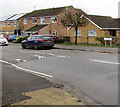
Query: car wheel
(36, 46)
(23, 46)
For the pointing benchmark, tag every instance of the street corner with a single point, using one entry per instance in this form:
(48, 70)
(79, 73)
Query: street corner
(49, 96)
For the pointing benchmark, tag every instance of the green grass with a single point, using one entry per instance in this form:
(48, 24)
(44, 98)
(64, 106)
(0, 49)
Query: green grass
(83, 44)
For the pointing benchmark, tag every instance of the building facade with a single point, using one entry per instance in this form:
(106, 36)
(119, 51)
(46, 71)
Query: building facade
(48, 21)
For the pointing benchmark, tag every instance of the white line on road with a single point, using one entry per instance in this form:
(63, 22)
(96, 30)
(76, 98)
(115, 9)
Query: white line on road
(18, 60)
(61, 56)
(40, 57)
(105, 61)
(27, 70)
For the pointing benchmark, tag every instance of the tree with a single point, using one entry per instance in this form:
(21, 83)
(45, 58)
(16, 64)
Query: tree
(74, 20)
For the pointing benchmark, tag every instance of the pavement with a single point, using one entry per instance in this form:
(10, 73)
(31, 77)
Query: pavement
(26, 89)
(88, 48)
(49, 96)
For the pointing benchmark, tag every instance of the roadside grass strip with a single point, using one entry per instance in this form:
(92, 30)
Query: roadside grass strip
(27, 70)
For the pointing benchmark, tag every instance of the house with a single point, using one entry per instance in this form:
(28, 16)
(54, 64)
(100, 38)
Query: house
(97, 26)
(10, 23)
(46, 21)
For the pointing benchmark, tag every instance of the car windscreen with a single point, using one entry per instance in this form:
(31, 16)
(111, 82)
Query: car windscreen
(1, 37)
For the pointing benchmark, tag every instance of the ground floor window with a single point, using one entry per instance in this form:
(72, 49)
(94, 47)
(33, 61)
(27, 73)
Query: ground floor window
(91, 32)
(79, 33)
(54, 33)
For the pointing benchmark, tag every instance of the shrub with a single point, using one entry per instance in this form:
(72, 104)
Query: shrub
(59, 41)
(20, 39)
(101, 39)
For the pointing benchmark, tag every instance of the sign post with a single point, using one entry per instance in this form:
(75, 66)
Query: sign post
(108, 39)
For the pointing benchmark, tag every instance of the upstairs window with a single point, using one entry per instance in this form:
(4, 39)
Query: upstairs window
(25, 21)
(53, 20)
(3, 24)
(8, 23)
(42, 20)
(15, 23)
(91, 32)
(34, 20)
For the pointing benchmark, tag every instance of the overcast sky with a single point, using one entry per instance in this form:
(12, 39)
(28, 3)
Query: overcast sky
(94, 7)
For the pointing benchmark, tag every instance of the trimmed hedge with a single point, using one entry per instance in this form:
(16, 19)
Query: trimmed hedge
(59, 41)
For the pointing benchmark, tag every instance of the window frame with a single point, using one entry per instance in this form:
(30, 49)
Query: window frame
(79, 32)
(25, 21)
(34, 20)
(92, 32)
(53, 19)
(42, 20)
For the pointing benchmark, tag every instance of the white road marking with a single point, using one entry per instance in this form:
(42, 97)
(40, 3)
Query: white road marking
(105, 61)
(27, 70)
(61, 56)
(40, 57)
(18, 60)
(51, 54)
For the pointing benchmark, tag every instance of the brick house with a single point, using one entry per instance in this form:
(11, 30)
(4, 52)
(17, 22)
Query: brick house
(97, 26)
(49, 21)
(9, 24)
(46, 21)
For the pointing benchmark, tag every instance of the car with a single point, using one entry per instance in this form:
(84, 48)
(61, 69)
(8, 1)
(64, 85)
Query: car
(54, 37)
(3, 41)
(37, 41)
(13, 37)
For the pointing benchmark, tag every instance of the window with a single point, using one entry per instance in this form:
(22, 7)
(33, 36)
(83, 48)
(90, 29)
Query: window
(25, 21)
(8, 23)
(34, 20)
(42, 20)
(53, 19)
(79, 33)
(91, 32)
(3, 24)
(15, 23)
(54, 33)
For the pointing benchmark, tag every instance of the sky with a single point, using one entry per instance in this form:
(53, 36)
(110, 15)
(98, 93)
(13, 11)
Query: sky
(94, 7)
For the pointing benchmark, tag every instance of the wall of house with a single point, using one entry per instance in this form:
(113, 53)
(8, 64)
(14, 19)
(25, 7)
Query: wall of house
(45, 30)
(84, 38)
(8, 29)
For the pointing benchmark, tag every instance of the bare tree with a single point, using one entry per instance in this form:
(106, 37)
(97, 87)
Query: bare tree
(74, 20)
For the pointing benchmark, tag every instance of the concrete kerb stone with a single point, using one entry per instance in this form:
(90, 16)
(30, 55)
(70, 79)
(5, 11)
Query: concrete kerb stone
(87, 49)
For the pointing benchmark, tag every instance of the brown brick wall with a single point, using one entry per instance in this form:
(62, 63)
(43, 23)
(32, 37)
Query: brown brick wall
(84, 38)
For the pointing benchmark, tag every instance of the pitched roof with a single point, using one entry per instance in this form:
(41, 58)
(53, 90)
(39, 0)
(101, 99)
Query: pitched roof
(46, 12)
(36, 28)
(104, 21)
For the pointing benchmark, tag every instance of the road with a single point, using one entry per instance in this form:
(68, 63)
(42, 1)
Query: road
(15, 83)
(92, 74)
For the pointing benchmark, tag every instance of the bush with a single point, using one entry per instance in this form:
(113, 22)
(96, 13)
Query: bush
(101, 39)
(20, 39)
(59, 41)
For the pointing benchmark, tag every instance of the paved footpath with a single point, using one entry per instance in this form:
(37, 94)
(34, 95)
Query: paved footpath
(21, 88)
(89, 48)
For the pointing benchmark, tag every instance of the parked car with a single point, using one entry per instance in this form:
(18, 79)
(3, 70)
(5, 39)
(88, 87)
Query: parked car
(53, 36)
(13, 37)
(3, 41)
(37, 41)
